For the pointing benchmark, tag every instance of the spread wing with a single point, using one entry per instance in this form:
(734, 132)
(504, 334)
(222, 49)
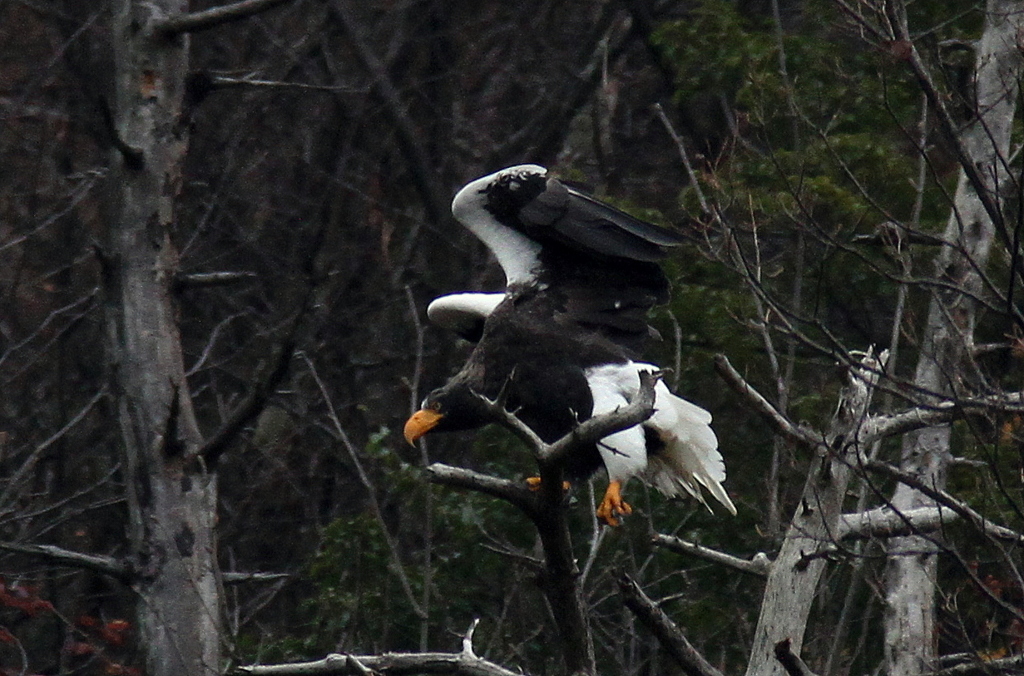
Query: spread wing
(572, 218)
(595, 265)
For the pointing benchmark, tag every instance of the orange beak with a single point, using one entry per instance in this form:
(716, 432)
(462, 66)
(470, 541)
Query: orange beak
(419, 423)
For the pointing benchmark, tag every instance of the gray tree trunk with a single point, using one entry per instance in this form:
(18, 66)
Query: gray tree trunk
(795, 572)
(943, 365)
(171, 496)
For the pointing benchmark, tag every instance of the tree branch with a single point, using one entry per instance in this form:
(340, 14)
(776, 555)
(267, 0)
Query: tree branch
(203, 279)
(106, 565)
(984, 525)
(422, 170)
(759, 565)
(789, 660)
(977, 667)
(460, 664)
(665, 630)
(885, 522)
(236, 577)
(192, 22)
(772, 415)
(264, 385)
(458, 477)
(594, 429)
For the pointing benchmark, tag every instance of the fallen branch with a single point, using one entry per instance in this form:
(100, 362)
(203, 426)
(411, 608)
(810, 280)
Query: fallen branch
(465, 663)
(459, 664)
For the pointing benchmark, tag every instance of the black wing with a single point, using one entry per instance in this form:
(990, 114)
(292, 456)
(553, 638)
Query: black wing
(579, 221)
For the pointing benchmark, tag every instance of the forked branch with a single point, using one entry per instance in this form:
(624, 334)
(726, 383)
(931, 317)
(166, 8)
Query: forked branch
(668, 633)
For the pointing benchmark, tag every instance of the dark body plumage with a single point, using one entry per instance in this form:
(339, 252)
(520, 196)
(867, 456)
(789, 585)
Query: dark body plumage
(560, 345)
(537, 365)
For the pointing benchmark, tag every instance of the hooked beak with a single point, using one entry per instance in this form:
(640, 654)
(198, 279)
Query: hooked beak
(419, 423)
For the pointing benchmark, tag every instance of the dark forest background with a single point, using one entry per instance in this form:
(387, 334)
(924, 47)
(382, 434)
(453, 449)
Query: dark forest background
(312, 220)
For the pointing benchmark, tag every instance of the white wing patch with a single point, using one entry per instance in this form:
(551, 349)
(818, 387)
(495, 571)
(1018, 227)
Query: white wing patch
(461, 312)
(518, 255)
(689, 460)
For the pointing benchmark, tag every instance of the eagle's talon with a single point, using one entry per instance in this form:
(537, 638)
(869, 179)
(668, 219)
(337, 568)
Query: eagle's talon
(533, 483)
(613, 506)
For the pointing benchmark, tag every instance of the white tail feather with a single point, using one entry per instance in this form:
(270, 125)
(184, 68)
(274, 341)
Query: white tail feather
(689, 459)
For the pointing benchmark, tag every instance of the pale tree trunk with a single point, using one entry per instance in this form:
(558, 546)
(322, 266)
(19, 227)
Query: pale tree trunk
(943, 365)
(794, 574)
(171, 496)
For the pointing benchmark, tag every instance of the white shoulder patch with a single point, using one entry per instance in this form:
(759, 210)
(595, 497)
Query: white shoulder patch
(460, 312)
(518, 255)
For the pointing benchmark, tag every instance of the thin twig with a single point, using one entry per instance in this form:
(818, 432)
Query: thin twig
(371, 491)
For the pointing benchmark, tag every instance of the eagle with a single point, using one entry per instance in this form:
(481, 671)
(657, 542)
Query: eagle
(562, 343)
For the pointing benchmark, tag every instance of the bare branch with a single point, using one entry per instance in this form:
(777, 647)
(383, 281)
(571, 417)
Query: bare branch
(884, 522)
(193, 22)
(202, 279)
(985, 526)
(235, 577)
(594, 429)
(422, 169)
(667, 632)
(106, 565)
(467, 640)
(789, 660)
(588, 432)
(976, 667)
(263, 387)
(15, 480)
(459, 664)
(759, 565)
(458, 477)
(773, 416)
(685, 156)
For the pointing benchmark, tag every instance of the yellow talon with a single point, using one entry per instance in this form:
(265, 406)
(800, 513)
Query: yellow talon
(613, 506)
(533, 483)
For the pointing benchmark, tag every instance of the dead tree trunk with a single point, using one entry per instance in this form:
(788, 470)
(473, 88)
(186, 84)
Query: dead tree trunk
(171, 496)
(943, 361)
(794, 574)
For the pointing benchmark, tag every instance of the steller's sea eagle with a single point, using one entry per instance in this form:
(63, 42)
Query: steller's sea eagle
(561, 343)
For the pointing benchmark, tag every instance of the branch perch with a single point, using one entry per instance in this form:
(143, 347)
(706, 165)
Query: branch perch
(459, 477)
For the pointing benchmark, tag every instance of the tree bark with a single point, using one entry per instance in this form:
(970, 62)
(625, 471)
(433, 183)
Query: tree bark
(171, 495)
(910, 640)
(795, 572)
